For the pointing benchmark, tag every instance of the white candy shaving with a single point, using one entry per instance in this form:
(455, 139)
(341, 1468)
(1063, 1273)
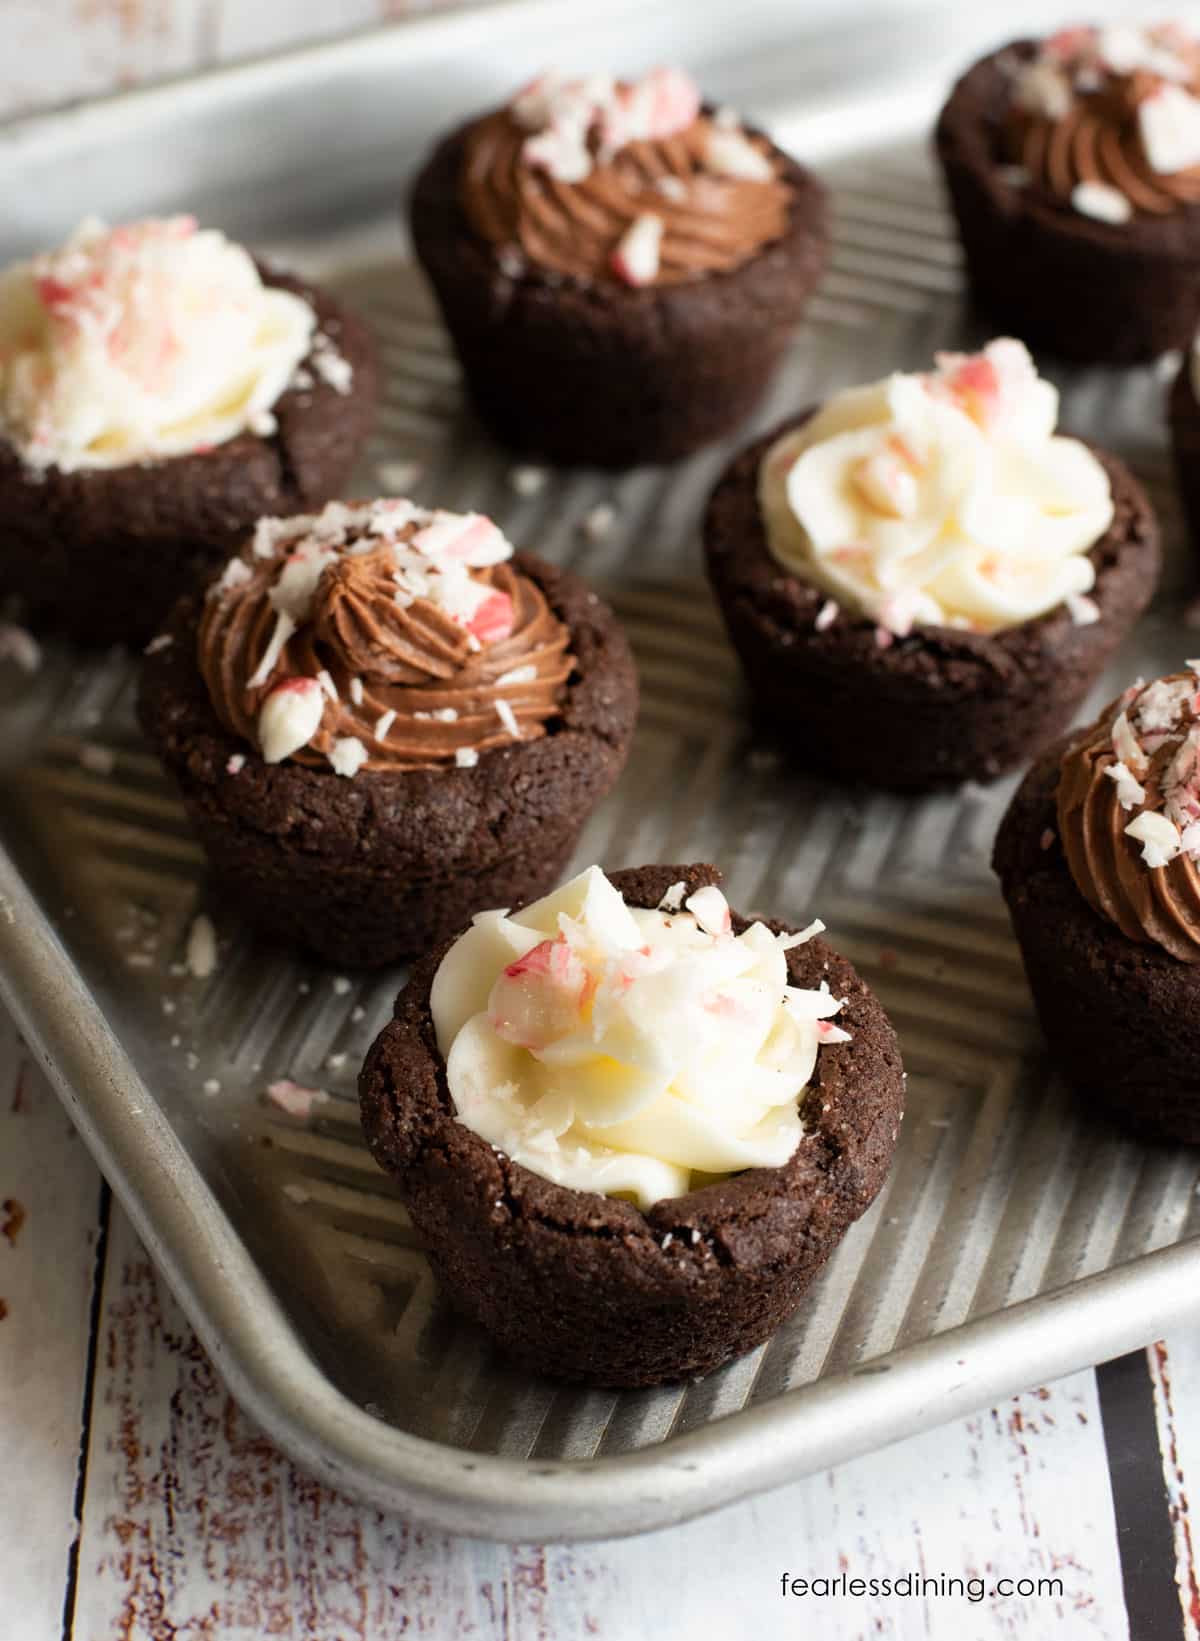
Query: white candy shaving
(1158, 836)
(347, 755)
(201, 953)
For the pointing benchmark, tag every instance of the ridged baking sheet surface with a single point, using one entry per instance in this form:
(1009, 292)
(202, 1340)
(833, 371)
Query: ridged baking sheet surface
(1002, 1187)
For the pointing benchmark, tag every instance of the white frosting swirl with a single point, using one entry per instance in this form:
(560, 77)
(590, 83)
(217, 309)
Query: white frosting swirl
(942, 499)
(139, 342)
(625, 1051)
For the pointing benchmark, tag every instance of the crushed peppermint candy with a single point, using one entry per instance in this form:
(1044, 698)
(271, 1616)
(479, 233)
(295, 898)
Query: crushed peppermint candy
(1154, 744)
(1102, 202)
(826, 615)
(1047, 839)
(383, 723)
(347, 755)
(144, 341)
(466, 757)
(289, 717)
(1130, 791)
(97, 760)
(594, 1008)
(200, 956)
(1084, 611)
(516, 675)
(527, 481)
(508, 718)
(569, 117)
(334, 370)
(295, 1099)
(235, 763)
(398, 476)
(1158, 836)
(730, 153)
(157, 645)
(20, 647)
(672, 900)
(637, 257)
(599, 520)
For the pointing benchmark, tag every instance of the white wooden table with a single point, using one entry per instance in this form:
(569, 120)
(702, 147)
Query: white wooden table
(138, 1504)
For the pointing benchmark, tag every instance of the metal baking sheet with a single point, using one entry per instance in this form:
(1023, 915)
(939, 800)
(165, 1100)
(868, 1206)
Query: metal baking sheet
(1015, 1240)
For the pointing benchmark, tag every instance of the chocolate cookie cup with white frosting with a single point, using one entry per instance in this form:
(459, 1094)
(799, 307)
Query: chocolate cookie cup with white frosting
(159, 393)
(631, 1126)
(1073, 168)
(618, 266)
(1099, 861)
(921, 579)
(382, 720)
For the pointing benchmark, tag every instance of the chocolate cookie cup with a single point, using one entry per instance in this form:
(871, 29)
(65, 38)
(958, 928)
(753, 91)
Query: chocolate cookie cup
(1111, 942)
(340, 817)
(1073, 239)
(623, 301)
(100, 553)
(927, 705)
(592, 1288)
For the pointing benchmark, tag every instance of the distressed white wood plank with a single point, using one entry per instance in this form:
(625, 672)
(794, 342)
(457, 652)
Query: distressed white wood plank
(193, 1523)
(191, 1519)
(272, 25)
(49, 1199)
(1175, 1373)
(1019, 1492)
(60, 49)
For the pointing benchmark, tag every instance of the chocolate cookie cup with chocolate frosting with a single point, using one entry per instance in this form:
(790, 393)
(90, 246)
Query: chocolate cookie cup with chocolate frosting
(159, 393)
(381, 720)
(619, 268)
(1073, 168)
(1099, 861)
(629, 1162)
(921, 579)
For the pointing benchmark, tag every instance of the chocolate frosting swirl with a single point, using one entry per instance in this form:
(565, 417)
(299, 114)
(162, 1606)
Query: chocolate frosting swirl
(1159, 905)
(383, 657)
(1098, 139)
(711, 223)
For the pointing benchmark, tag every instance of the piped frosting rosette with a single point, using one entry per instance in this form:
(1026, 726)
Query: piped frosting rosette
(627, 1051)
(143, 342)
(1107, 119)
(1129, 813)
(940, 499)
(593, 177)
(381, 636)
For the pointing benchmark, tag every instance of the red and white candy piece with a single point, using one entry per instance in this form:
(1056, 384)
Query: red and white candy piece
(468, 538)
(288, 718)
(541, 996)
(493, 620)
(887, 483)
(561, 151)
(711, 910)
(638, 255)
(659, 105)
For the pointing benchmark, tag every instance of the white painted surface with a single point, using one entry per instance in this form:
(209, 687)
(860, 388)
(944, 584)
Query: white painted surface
(49, 1198)
(58, 50)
